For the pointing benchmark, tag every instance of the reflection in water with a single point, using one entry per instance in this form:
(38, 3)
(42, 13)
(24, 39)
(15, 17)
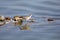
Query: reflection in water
(2, 23)
(32, 21)
(22, 26)
(25, 27)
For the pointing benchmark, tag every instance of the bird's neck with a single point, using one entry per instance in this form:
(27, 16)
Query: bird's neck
(30, 15)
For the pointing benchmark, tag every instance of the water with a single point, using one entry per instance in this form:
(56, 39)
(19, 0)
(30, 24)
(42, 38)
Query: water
(41, 29)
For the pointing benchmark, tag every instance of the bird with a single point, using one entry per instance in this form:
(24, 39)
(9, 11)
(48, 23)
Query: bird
(7, 20)
(2, 20)
(50, 19)
(21, 18)
(2, 17)
(27, 17)
(16, 18)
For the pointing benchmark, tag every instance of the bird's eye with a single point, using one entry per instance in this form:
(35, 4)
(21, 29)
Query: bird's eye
(6, 18)
(14, 19)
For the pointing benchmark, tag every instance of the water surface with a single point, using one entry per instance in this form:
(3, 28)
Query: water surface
(41, 29)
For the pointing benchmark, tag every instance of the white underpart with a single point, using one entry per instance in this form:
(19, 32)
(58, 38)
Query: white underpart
(8, 22)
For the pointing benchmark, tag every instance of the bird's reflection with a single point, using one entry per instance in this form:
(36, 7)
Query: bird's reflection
(2, 23)
(32, 21)
(25, 27)
(22, 26)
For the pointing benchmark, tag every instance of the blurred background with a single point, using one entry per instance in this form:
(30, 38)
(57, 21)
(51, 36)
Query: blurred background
(41, 10)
